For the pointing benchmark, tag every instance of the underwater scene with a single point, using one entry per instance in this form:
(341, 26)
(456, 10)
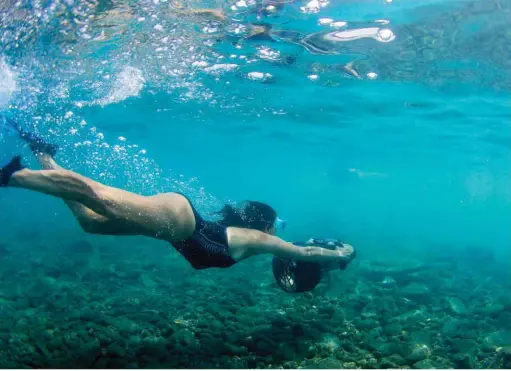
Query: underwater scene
(371, 138)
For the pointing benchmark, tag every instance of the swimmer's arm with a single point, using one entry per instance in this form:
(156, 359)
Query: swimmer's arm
(262, 243)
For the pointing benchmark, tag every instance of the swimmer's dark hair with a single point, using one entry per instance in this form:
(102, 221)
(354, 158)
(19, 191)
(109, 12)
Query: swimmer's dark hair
(250, 214)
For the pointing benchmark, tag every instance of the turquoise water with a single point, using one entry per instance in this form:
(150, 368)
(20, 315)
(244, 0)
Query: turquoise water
(401, 148)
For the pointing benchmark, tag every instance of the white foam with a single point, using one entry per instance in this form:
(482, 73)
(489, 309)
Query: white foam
(221, 68)
(312, 6)
(259, 76)
(268, 53)
(128, 83)
(8, 84)
(325, 21)
(338, 24)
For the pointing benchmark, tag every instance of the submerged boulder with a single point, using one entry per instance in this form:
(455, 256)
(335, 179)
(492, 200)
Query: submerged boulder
(424, 364)
(457, 306)
(416, 291)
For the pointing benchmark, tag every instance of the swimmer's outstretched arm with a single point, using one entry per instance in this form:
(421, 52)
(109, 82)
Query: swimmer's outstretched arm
(245, 243)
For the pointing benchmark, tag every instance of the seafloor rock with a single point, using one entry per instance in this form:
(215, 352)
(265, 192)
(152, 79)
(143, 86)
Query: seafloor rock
(424, 364)
(393, 361)
(492, 310)
(499, 338)
(416, 291)
(410, 318)
(464, 360)
(419, 352)
(464, 345)
(386, 348)
(396, 269)
(393, 329)
(451, 327)
(504, 355)
(131, 317)
(366, 324)
(325, 363)
(457, 306)
(115, 350)
(79, 247)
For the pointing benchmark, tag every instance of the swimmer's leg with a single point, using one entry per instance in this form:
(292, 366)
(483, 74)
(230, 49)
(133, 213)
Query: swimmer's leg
(164, 216)
(90, 221)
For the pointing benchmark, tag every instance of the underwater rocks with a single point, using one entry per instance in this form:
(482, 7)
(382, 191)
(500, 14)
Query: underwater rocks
(464, 360)
(124, 311)
(419, 353)
(503, 358)
(321, 364)
(457, 306)
(497, 339)
(425, 364)
(491, 310)
(417, 291)
(396, 270)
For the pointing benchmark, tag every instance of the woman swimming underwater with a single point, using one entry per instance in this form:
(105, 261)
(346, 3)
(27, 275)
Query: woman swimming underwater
(243, 231)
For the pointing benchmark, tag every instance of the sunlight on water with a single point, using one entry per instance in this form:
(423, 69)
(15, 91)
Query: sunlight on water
(128, 83)
(7, 84)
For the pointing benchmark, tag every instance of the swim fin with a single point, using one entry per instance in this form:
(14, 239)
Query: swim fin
(9, 169)
(36, 144)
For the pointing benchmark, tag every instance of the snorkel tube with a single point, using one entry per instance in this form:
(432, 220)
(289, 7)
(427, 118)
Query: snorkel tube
(294, 276)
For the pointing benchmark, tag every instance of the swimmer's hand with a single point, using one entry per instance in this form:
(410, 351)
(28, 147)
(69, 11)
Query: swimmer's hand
(346, 251)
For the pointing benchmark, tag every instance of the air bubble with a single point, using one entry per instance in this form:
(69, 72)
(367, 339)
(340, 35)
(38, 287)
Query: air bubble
(259, 76)
(325, 21)
(312, 6)
(338, 24)
(386, 35)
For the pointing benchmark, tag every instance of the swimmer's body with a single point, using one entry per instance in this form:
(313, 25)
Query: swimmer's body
(170, 217)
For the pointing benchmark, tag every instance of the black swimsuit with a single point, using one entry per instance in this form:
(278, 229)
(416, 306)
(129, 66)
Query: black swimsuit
(207, 247)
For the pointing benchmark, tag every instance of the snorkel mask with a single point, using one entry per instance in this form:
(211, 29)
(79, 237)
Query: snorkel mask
(279, 224)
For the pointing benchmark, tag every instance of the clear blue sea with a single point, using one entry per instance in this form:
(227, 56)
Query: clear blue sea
(386, 124)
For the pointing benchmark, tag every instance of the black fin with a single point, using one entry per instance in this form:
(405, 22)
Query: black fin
(36, 144)
(9, 169)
